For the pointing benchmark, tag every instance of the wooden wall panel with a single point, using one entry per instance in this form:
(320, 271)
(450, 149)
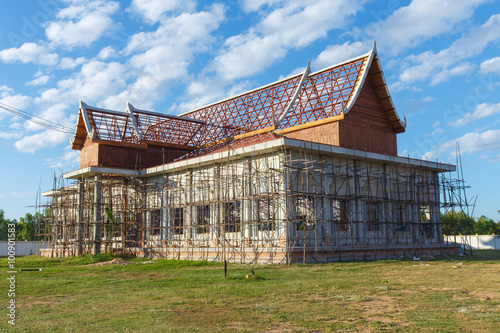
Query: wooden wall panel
(367, 126)
(89, 154)
(98, 154)
(327, 134)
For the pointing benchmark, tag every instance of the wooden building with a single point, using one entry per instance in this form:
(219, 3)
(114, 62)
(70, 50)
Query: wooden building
(303, 169)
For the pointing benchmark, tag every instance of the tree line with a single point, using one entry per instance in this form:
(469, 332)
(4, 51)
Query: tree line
(25, 227)
(458, 223)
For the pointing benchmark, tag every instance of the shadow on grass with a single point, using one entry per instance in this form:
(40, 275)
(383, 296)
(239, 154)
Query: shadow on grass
(482, 255)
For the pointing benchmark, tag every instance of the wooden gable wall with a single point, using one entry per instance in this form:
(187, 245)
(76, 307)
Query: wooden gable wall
(367, 125)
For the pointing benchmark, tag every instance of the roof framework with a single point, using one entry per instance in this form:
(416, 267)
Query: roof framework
(280, 107)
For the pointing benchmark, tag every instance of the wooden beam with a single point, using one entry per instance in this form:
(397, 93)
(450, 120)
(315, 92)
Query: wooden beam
(239, 137)
(256, 132)
(121, 144)
(311, 124)
(167, 145)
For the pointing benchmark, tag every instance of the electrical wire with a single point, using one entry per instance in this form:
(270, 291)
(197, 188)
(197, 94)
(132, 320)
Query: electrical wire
(37, 120)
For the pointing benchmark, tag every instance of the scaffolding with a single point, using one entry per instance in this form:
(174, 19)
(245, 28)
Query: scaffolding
(283, 206)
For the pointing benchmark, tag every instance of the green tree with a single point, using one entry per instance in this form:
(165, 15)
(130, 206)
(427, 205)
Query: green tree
(25, 228)
(4, 222)
(455, 223)
(486, 226)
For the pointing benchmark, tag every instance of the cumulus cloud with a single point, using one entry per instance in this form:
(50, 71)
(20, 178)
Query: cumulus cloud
(69, 159)
(253, 5)
(470, 143)
(48, 138)
(449, 62)
(106, 53)
(491, 66)
(95, 81)
(334, 54)
(9, 97)
(482, 111)
(82, 23)
(33, 136)
(30, 53)
(162, 57)
(411, 25)
(70, 63)
(294, 25)
(39, 80)
(10, 135)
(154, 10)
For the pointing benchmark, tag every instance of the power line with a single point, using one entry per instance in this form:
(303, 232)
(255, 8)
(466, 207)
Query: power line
(37, 120)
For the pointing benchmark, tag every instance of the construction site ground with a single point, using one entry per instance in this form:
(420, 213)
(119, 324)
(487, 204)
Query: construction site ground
(445, 294)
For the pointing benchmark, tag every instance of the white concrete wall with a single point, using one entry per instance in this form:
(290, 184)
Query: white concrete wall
(476, 242)
(23, 248)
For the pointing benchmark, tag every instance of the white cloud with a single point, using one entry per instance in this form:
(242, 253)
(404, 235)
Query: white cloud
(446, 74)
(10, 98)
(106, 53)
(31, 143)
(39, 81)
(82, 23)
(153, 10)
(437, 132)
(491, 66)
(446, 63)
(69, 159)
(253, 5)
(70, 63)
(51, 111)
(483, 110)
(208, 90)
(30, 52)
(95, 81)
(422, 19)
(10, 135)
(334, 54)
(292, 26)
(162, 57)
(470, 143)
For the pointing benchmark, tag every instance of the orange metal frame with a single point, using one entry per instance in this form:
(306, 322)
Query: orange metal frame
(323, 95)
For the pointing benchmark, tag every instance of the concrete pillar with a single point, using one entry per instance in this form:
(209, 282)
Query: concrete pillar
(435, 214)
(164, 218)
(358, 213)
(388, 209)
(97, 213)
(328, 206)
(79, 218)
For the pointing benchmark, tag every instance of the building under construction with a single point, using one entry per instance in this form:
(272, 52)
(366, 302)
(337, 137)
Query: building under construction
(301, 170)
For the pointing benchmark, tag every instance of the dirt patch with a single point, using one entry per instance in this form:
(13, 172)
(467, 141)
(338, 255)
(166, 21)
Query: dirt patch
(112, 262)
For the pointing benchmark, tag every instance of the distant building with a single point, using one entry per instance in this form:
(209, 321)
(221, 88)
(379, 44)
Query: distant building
(301, 170)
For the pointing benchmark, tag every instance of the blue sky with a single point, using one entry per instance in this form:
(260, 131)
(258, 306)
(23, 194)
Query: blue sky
(440, 58)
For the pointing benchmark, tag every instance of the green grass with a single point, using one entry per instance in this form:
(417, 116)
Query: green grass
(441, 295)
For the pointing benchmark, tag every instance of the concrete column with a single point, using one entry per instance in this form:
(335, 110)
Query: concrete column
(97, 213)
(164, 201)
(328, 208)
(358, 213)
(388, 209)
(435, 215)
(79, 219)
(247, 217)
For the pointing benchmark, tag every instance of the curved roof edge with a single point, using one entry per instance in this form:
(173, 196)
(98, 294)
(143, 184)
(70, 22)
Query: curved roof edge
(381, 87)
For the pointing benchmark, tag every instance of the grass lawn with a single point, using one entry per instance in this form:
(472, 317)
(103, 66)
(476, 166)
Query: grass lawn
(456, 294)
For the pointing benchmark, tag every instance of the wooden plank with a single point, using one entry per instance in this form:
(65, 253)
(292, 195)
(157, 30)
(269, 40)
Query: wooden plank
(120, 144)
(311, 124)
(167, 145)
